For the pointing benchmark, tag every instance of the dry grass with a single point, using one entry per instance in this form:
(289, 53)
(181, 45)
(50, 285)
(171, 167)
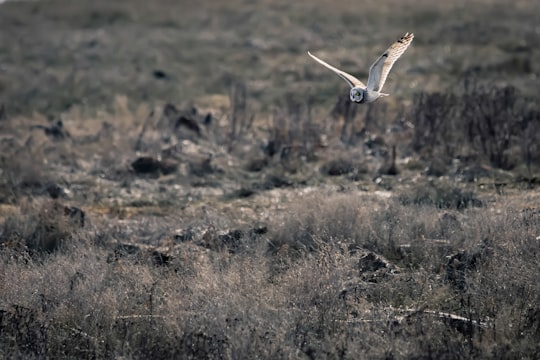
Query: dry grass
(375, 278)
(178, 180)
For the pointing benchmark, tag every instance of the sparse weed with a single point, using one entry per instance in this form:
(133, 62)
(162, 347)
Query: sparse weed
(492, 121)
(357, 275)
(440, 196)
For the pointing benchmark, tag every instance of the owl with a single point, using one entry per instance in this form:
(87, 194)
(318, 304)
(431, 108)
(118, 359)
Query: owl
(378, 72)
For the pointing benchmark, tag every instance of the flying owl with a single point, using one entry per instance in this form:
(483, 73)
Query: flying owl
(378, 72)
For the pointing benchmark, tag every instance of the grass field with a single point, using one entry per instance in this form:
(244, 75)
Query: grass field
(178, 179)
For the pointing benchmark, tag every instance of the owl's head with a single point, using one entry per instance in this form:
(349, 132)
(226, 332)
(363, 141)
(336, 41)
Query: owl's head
(357, 94)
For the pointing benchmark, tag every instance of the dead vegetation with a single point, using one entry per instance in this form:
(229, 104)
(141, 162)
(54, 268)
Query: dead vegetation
(231, 203)
(333, 277)
(495, 123)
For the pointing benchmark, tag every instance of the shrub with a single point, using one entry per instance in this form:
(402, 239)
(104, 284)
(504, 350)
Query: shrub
(440, 196)
(42, 229)
(475, 118)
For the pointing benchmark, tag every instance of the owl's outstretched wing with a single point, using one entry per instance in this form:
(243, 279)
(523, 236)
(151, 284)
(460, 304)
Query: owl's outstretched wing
(351, 80)
(378, 72)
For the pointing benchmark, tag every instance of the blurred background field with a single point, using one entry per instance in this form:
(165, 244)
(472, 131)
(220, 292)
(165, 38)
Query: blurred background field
(179, 179)
(57, 54)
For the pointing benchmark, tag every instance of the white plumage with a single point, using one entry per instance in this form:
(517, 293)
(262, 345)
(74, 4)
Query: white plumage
(378, 72)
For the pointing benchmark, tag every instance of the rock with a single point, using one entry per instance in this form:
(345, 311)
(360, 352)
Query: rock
(259, 230)
(230, 240)
(257, 164)
(159, 258)
(337, 167)
(191, 233)
(243, 193)
(276, 181)
(371, 262)
(374, 267)
(159, 74)
(149, 165)
(146, 165)
(54, 191)
(202, 168)
(176, 121)
(188, 123)
(139, 251)
(168, 167)
(123, 249)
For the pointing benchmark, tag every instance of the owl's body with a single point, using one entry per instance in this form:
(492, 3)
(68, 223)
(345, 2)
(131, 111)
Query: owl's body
(378, 72)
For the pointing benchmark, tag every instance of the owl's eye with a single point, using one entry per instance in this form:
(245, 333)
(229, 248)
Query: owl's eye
(357, 93)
